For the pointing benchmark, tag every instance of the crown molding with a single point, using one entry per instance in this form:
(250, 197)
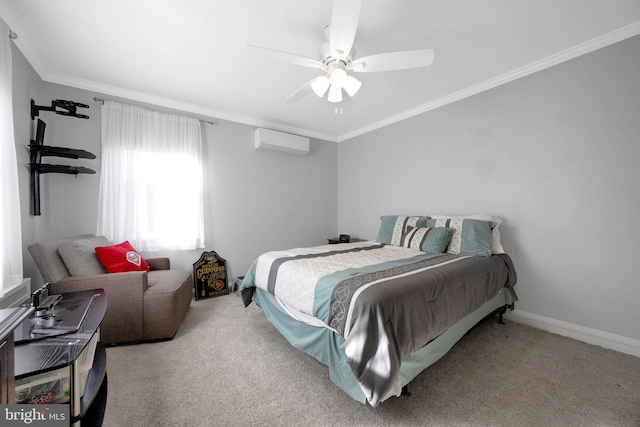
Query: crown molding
(555, 59)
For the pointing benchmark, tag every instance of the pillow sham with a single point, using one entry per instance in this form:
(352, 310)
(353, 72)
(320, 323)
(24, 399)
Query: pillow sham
(496, 245)
(120, 258)
(393, 226)
(80, 258)
(471, 236)
(427, 239)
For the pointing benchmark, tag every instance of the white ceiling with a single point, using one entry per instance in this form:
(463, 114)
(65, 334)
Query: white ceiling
(188, 55)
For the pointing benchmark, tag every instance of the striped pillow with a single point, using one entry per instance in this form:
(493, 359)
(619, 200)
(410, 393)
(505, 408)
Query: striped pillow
(427, 239)
(392, 227)
(403, 223)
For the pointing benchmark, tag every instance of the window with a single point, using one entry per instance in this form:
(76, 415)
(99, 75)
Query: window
(151, 179)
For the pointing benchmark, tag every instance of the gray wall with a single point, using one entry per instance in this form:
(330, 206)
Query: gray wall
(554, 154)
(254, 200)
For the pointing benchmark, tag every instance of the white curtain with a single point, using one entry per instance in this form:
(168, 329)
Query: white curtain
(151, 179)
(11, 228)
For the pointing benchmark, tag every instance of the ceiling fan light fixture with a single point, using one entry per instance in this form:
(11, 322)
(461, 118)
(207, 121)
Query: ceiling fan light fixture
(320, 86)
(338, 77)
(335, 94)
(352, 85)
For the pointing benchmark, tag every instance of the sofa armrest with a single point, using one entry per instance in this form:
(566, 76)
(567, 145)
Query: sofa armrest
(158, 263)
(133, 282)
(124, 318)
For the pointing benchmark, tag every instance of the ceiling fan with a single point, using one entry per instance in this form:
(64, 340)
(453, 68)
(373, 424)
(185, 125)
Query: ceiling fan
(336, 58)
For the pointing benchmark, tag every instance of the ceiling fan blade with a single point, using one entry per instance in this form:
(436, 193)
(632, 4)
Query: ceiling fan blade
(394, 61)
(285, 56)
(344, 23)
(302, 92)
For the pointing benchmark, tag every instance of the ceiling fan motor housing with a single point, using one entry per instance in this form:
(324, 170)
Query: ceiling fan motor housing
(332, 62)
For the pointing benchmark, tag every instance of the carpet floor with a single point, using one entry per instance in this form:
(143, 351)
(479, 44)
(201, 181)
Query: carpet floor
(227, 366)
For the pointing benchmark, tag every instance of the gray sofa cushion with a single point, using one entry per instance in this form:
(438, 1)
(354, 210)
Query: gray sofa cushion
(48, 260)
(80, 258)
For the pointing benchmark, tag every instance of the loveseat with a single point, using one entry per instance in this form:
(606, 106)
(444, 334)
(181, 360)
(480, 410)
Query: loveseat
(141, 305)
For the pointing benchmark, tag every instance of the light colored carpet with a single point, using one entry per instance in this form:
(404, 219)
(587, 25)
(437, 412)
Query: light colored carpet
(227, 366)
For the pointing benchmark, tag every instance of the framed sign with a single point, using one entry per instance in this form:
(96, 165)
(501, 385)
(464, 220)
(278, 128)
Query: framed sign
(210, 276)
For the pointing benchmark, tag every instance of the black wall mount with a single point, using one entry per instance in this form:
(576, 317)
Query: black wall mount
(59, 106)
(37, 150)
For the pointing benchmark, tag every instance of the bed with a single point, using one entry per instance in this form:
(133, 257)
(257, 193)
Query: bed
(377, 313)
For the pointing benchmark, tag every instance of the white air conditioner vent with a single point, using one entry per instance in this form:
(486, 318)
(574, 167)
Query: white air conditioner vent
(271, 140)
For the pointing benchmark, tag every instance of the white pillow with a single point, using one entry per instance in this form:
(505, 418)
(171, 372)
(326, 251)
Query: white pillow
(496, 246)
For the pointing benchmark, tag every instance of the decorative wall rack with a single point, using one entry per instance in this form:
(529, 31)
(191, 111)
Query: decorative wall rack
(37, 149)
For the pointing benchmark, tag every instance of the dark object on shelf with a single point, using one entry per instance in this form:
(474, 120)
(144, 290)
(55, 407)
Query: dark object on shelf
(68, 108)
(40, 294)
(37, 150)
(343, 238)
(210, 276)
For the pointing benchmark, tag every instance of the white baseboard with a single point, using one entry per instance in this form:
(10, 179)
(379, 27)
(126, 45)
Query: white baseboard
(580, 333)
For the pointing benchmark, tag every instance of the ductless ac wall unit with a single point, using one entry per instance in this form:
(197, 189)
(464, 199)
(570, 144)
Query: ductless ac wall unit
(271, 140)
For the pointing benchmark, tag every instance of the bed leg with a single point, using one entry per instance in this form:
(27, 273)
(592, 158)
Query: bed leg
(405, 391)
(501, 311)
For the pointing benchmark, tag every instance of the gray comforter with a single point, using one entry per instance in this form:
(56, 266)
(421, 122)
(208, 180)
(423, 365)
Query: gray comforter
(385, 300)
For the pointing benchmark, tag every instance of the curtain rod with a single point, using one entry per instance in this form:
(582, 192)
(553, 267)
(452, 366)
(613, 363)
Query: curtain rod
(210, 122)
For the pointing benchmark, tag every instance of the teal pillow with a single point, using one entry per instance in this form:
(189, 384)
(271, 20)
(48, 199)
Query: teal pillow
(427, 239)
(393, 226)
(471, 236)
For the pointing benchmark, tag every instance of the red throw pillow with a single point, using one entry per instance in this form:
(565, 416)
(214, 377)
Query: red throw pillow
(120, 258)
